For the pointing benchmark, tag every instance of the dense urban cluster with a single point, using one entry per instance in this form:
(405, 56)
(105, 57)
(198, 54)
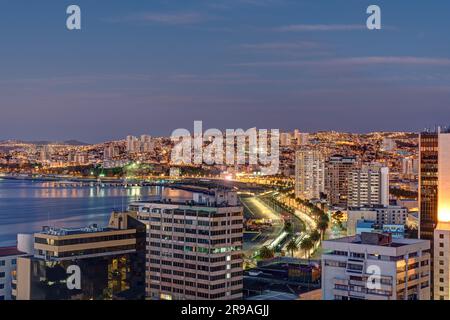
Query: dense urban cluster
(342, 208)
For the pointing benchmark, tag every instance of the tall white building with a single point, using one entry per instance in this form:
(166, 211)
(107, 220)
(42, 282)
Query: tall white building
(410, 166)
(368, 186)
(441, 252)
(45, 154)
(309, 174)
(132, 144)
(147, 144)
(373, 266)
(194, 248)
(110, 152)
(142, 144)
(285, 139)
(302, 139)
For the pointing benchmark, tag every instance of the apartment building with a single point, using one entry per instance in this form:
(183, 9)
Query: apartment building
(373, 266)
(309, 174)
(441, 241)
(368, 186)
(8, 264)
(379, 214)
(194, 248)
(337, 170)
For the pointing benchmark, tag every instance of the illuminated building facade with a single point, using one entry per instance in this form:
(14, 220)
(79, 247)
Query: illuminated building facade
(111, 262)
(309, 174)
(337, 170)
(194, 249)
(368, 186)
(441, 289)
(428, 184)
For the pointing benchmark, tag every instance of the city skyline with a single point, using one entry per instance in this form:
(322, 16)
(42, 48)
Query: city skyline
(75, 142)
(154, 67)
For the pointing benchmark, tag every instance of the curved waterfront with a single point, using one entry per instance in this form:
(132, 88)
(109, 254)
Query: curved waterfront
(26, 206)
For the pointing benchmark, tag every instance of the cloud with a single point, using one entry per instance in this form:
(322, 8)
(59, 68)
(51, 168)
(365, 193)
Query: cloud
(353, 61)
(280, 45)
(178, 18)
(320, 27)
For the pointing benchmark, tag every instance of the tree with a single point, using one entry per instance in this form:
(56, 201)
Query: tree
(307, 245)
(322, 225)
(288, 227)
(292, 247)
(266, 253)
(338, 216)
(315, 236)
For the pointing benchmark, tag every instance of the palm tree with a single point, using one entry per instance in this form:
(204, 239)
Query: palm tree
(292, 247)
(322, 225)
(315, 236)
(266, 253)
(307, 245)
(288, 227)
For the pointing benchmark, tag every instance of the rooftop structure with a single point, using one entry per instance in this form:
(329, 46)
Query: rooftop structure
(374, 266)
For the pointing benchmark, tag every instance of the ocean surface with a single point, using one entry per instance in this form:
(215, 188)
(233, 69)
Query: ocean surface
(26, 206)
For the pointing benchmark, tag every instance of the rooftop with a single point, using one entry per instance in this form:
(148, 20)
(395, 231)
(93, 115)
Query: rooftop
(189, 203)
(375, 206)
(55, 231)
(10, 251)
(377, 239)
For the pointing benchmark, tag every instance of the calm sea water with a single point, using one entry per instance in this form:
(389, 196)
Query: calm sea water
(26, 206)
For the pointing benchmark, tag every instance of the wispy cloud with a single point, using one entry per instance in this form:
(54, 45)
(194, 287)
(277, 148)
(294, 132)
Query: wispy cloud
(175, 18)
(281, 45)
(319, 27)
(229, 4)
(353, 61)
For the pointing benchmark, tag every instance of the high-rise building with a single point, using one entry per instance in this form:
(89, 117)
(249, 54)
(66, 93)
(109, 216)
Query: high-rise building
(46, 154)
(441, 254)
(110, 152)
(410, 167)
(368, 186)
(428, 184)
(309, 174)
(81, 158)
(285, 139)
(8, 263)
(132, 144)
(111, 262)
(337, 170)
(194, 247)
(142, 144)
(373, 266)
(302, 139)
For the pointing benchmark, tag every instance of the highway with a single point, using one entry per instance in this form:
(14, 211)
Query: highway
(257, 209)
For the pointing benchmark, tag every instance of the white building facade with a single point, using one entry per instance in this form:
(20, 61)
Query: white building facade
(373, 266)
(309, 174)
(368, 186)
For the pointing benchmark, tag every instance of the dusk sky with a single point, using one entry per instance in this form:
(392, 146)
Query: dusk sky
(154, 66)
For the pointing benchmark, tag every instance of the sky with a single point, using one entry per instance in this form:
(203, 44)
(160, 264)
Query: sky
(150, 67)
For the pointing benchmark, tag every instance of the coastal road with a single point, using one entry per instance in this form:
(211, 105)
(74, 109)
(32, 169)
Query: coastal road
(256, 209)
